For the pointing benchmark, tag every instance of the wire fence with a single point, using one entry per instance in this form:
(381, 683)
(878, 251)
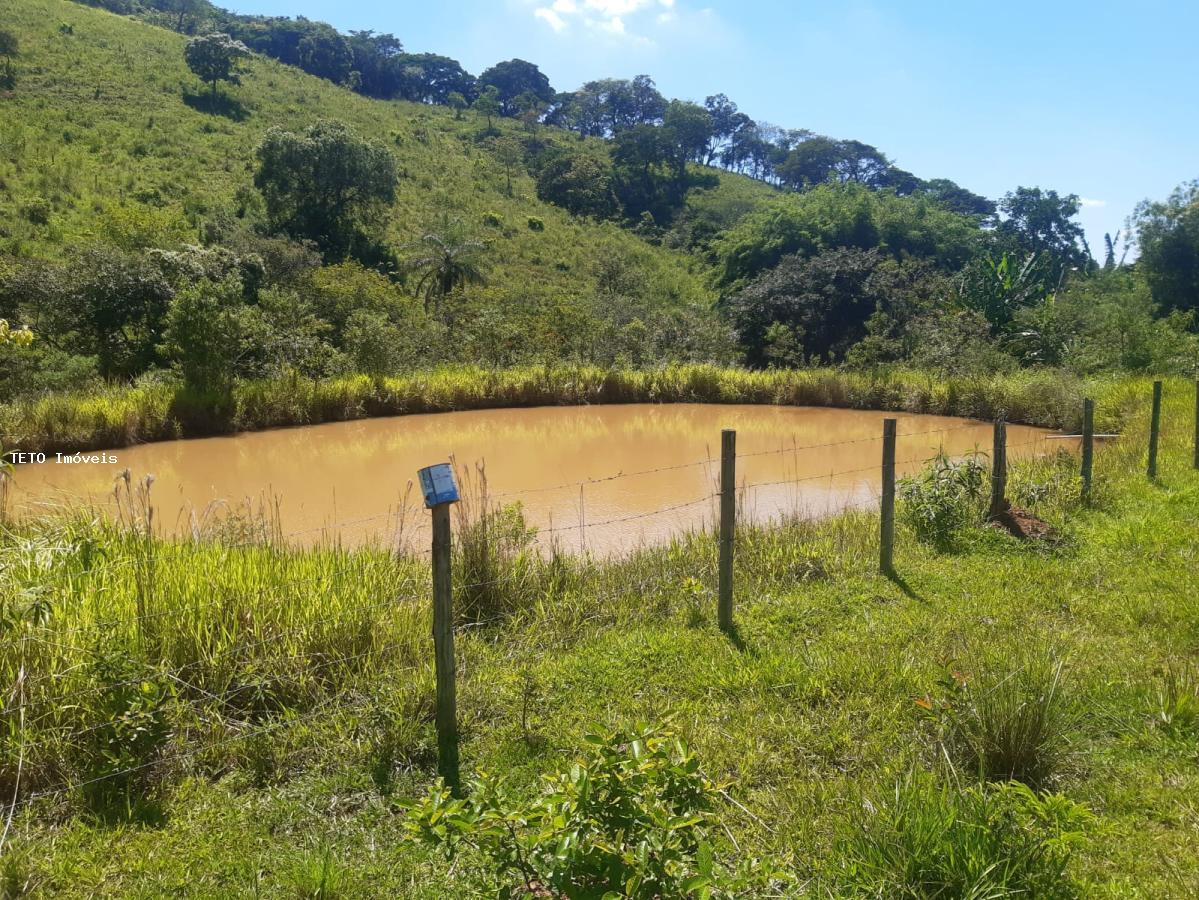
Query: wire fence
(49, 715)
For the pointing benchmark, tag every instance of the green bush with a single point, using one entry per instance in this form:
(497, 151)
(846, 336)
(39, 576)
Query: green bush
(929, 840)
(632, 818)
(536, 224)
(943, 499)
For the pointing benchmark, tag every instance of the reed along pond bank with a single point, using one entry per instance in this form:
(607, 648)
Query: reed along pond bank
(119, 416)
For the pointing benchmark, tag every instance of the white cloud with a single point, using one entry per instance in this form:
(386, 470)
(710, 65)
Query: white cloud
(1087, 201)
(550, 17)
(609, 17)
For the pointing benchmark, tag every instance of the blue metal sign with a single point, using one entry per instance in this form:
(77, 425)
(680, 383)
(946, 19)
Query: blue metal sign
(437, 484)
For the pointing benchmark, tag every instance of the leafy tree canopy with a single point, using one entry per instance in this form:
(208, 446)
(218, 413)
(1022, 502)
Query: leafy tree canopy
(513, 78)
(844, 215)
(214, 58)
(326, 184)
(1168, 236)
(579, 182)
(1041, 221)
(813, 310)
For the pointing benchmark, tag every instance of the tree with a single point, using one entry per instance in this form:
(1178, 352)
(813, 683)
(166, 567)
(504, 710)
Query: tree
(510, 153)
(579, 182)
(429, 78)
(112, 306)
(446, 263)
(999, 288)
(183, 10)
(727, 122)
(814, 310)
(954, 197)
(1168, 237)
(214, 58)
(487, 104)
(325, 53)
(513, 78)
(203, 333)
(373, 60)
(818, 159)
(456, 102)
(9, 45)
(688, 130)
(326, 185)
(844, 215)
(1040, 221)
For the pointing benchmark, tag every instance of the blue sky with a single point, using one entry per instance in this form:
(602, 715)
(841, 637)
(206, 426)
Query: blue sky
(1100, 99)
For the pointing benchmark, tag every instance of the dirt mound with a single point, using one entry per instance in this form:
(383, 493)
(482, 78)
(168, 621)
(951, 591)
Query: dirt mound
(1024, 525)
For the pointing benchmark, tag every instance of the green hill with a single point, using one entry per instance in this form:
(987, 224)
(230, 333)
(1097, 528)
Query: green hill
(106, 116)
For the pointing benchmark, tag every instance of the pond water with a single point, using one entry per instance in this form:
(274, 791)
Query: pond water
(604, 478)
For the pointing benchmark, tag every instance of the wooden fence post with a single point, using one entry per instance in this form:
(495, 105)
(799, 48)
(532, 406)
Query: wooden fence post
(445, 663)
(1088, 447)
(999, 469)
(886, 537)
(1155, 425)
(728, 514)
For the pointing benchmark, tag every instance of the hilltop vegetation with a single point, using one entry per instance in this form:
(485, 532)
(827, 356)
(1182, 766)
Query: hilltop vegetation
(110, 151)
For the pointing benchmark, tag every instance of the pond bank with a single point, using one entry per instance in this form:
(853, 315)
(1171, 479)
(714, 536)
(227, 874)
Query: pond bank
(120, 416)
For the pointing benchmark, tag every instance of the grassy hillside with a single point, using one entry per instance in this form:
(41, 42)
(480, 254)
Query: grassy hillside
(106, 113)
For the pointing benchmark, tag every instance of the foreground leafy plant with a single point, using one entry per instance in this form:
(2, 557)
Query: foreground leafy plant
(931, 840)
(943, 499)
(630, 819)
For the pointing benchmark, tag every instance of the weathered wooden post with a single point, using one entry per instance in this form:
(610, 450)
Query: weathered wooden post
(999, 469)
(1088, 447)
(886, 536)
(1155, 425)
(728, 514)
(1197, 424)
(437, 484)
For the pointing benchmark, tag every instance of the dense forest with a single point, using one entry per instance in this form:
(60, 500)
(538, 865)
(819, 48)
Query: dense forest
(202, 212)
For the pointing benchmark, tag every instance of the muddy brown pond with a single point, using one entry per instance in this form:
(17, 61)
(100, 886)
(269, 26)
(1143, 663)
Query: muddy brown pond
(601, 478)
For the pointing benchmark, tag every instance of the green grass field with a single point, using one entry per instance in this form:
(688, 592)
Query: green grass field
(280, 716)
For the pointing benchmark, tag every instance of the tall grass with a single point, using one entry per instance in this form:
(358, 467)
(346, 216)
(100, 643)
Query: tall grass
(932, 840)
(1007, 718)
(119, 416)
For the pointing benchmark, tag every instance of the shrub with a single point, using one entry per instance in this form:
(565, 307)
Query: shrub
(929, 840)
(536, 223)
(1007, 720)
(495, 568)
(203, 332)
(940, 501)
(632, 818)
(130, 730)
(1178, 701)
(36, 211)
(493, 220)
